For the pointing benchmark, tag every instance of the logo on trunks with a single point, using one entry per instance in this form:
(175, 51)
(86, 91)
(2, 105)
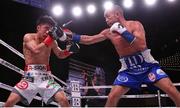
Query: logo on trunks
(43, 68)
(52, 83)
(152, 76)
(160, 72)
(122, 78)
(22, 85)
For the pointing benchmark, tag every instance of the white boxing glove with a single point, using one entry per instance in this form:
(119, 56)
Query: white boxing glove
(63, 37)
(117, 27)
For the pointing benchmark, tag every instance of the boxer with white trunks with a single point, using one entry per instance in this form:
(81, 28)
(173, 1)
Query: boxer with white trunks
(37, 78)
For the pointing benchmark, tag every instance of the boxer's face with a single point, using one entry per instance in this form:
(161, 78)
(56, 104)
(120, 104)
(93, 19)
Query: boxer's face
(110, 17)
(43, 28)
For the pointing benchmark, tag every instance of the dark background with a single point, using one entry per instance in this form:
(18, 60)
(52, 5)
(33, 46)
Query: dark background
(161, 23)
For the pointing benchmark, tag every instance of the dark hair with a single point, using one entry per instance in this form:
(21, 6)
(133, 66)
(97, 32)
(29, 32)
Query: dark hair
(46, 20)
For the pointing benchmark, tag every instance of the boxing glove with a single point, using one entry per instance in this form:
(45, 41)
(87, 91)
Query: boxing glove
(57, 34)
(72, 47)
(72, 36)
(118, 28)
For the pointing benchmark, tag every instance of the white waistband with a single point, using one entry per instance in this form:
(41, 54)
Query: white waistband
(144, 55)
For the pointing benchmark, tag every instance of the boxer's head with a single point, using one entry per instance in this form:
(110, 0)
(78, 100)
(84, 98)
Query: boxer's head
(44, 23)
(113, 15)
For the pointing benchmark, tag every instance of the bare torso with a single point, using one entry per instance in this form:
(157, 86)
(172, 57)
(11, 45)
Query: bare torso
(36, 58)
(122, 47)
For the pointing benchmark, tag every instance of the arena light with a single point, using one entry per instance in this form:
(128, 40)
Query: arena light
(150, 2)
(57, 10)
(77, 11)
(91, 9)
(108, 5)
(171, 0)
(128, 3)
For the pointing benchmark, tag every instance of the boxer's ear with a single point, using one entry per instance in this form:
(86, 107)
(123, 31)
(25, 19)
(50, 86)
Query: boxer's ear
(116, 14)
(37, 28)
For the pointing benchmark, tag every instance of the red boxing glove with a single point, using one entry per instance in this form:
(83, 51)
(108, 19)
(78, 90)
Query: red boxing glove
(48, 40)
(66, 52)
(67, 30)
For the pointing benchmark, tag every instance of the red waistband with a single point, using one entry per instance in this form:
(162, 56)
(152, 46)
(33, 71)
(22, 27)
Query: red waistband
(42, 67)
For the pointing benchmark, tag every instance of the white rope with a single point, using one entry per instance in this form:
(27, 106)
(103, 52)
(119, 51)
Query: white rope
(95, 87)
(126, 96)
(11, 48)
(59, 80)
(7, 87)
(15, 106)
(110, 86)
(22, 56)
(104, 87)
(11, 66)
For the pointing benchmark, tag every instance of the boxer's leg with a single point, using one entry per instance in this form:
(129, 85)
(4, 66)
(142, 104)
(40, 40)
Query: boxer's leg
(12, 100)
(167, 86)
(115, 94)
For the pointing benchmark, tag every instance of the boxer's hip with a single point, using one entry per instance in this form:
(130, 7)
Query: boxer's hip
(37, 73)
(138, 63)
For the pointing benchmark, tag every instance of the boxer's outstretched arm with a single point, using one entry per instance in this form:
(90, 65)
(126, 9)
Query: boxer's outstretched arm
(87, 39)
(61, 54)
(30, 43)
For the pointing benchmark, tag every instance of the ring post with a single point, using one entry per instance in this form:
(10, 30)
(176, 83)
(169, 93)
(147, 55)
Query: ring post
(75, 94)
(159, 98)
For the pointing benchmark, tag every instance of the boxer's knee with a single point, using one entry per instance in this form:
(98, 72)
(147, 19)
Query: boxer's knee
(113, 96)
(12, 100)
(61, 98)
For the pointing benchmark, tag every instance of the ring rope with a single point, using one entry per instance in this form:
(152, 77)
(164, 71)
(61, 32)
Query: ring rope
(109, 86)
(123, 96)
(11, 66)
(7, 87)
(22, 56)
(12, 49)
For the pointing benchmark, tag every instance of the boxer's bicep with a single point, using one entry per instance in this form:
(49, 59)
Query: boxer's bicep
(31, 44)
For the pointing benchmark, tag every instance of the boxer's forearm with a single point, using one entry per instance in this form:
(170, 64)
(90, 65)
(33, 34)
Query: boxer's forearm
(64, 54)
(87, 40)
(35, 48)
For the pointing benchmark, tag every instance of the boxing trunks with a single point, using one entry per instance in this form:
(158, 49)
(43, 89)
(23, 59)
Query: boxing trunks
(139, 68)
(37, 79)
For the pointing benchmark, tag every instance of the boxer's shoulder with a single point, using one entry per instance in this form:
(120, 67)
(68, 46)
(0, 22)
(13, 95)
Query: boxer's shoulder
(134, 23)
(29, 36)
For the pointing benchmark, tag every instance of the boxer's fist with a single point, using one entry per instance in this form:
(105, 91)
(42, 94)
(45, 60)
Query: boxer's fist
(56, 33)
(72, 36)
(72, 47)
(117, 27)
(68, 33)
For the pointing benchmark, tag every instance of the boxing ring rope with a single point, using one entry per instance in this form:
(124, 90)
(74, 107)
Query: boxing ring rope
(109, 86)
(18, 70)
(22, 56)
(7, 87)
(11, 48)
